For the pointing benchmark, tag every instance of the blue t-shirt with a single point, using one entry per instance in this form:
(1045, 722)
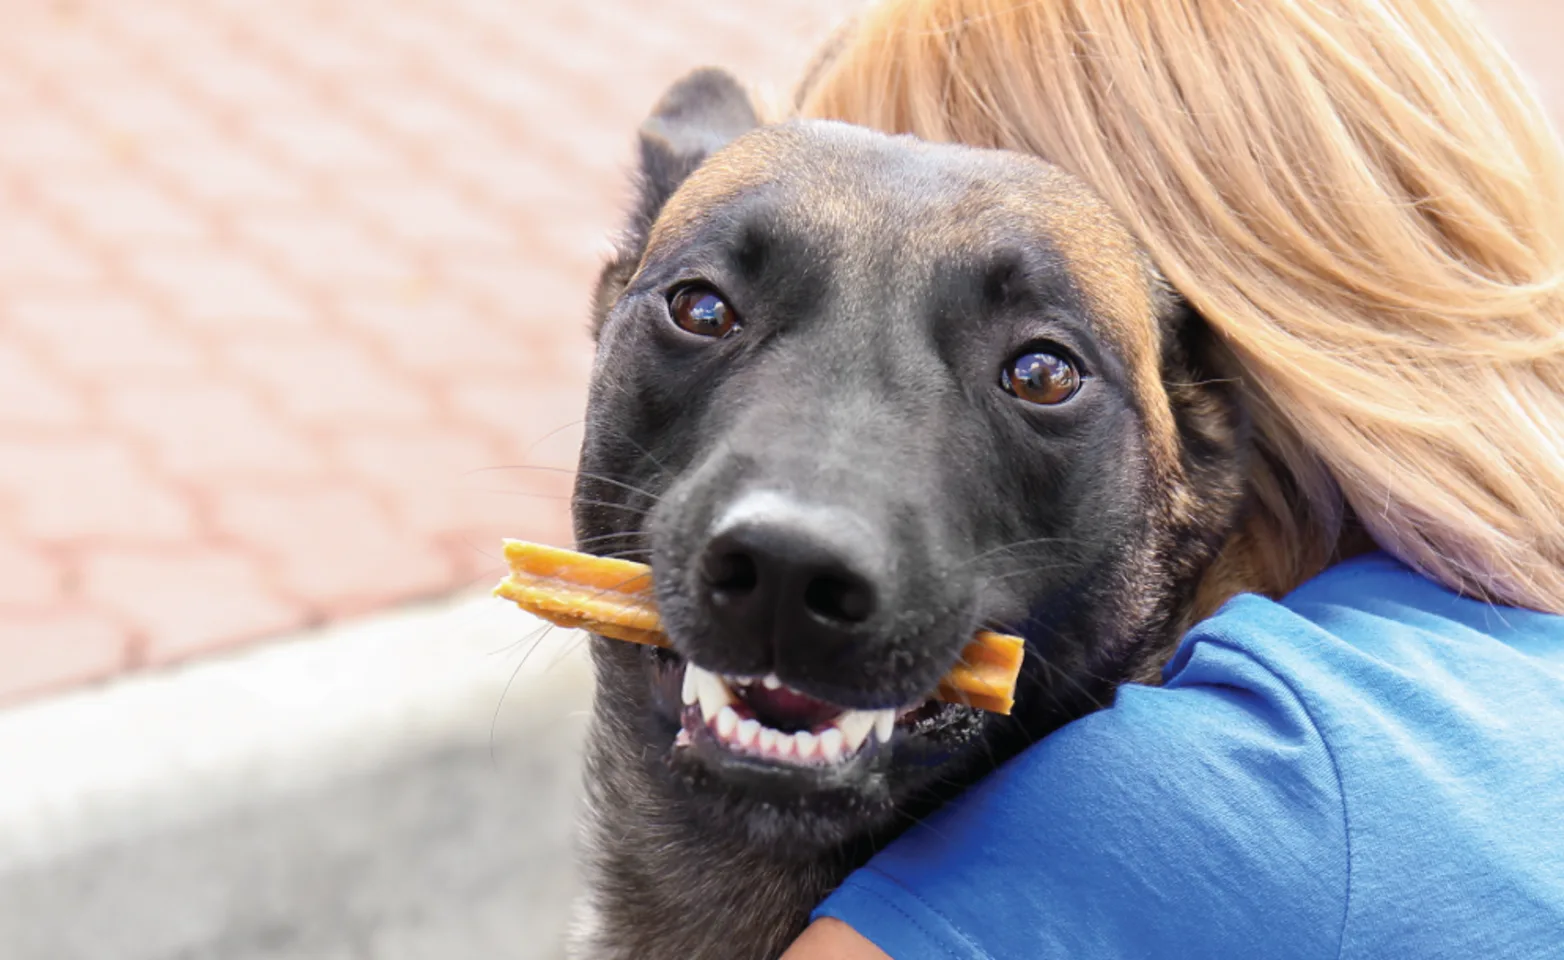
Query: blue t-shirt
(1371, 768)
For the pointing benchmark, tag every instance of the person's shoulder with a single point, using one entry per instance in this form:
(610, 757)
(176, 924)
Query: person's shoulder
(1098, 840)
(1363, 640)
(1358, 598)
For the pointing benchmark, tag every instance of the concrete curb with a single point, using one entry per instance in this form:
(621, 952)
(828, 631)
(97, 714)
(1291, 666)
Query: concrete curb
(133, 814)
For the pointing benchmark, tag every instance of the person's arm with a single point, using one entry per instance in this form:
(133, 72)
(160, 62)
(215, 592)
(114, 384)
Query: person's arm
(830, 939)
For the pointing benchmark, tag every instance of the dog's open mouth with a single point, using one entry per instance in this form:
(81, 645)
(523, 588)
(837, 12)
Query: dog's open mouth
(766, 721)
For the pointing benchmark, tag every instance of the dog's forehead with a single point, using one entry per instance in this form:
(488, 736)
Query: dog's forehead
(935, 198)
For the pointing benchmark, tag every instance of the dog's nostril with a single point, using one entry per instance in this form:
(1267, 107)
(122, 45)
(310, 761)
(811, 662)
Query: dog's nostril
(732, 573)
(788, 577)
(839, 598)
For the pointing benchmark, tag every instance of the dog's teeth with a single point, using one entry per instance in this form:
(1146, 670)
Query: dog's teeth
(748, 730)
(768, 739)
(771, 682)
(855, 726)
(806, 744)
(689, 694)
(831, 745)
(884, 724)
(712, 692)
(787, 745)
(727, 722)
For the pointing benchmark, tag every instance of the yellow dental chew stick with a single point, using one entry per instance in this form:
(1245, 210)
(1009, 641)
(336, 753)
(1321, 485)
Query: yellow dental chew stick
(613, 598)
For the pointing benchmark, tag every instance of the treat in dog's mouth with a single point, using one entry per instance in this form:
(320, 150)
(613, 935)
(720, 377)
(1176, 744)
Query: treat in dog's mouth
(766, 720)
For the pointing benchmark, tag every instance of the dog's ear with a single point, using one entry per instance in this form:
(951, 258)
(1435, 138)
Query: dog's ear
(696, 117)
(1204, 385)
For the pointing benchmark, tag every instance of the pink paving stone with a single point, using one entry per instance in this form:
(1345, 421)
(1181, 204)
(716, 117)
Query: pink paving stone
(412, 35)
(427, 216)
(32, 396)
(331, 380)
(211, 432)
(33, 253)
(17, 91)
(28, 577)
(508, 88)
(433, 336)
(156, 28)
(476, 555)
(326, 53)
(519, 413)
(65, 47)
(221, 291)
(122, 210)
(432, 477)
(558, 354)
(335, 548)
(57, 648)
(94, 334)
(550, 296)
(39, 143)
(155, 115)
(420, 117)
(218, 172)
(87, 488)
(479, 562)
(526, 497)
(505, 182)
(187, 601)
(326, 144)
(323, 249)
(233, 81)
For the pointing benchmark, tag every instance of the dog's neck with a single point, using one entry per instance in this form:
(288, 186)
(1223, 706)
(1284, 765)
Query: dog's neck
(660, 889)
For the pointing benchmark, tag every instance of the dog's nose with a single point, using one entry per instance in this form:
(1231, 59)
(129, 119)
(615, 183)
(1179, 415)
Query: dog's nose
(786, 575)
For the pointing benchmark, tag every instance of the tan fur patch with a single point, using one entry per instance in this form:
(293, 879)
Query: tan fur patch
(1119, 284)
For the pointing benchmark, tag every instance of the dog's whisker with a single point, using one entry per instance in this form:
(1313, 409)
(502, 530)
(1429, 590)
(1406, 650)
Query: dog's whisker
(1006, 575)
(609, 428)
(552, 434)
(598, 477)
(1069, 676)
(1018, 545)
(494, 720)
(606, 504)
(589, 544)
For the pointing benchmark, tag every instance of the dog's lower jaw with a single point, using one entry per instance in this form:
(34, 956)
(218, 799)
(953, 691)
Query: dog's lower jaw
(659, 888)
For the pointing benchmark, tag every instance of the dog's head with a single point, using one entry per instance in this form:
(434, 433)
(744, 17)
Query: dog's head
(856, 397)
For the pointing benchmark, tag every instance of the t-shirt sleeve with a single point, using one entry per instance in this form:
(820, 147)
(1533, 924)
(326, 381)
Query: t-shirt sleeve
(1201, 819)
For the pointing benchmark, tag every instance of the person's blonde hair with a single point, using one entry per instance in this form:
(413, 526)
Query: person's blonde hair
(1360, 196)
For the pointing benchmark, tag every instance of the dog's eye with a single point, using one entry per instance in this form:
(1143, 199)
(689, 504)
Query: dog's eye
(702, 311)
(1040, 377)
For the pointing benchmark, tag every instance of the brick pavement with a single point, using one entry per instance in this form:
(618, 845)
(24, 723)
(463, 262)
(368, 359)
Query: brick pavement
(291, 294)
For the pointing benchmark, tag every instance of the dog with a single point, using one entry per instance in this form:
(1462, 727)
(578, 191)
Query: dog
(855, 397)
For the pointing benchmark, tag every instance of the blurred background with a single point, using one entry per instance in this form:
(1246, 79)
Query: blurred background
(292, 331)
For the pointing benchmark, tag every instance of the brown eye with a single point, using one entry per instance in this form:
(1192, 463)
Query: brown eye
(1041, 377)
(702, 311)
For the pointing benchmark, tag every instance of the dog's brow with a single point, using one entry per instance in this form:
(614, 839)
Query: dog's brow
(1116, 280)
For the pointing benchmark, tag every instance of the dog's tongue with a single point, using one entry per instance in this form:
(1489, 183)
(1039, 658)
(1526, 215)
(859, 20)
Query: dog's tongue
(786, 710)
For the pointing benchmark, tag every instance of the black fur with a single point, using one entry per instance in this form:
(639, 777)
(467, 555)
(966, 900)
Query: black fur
(882, 285)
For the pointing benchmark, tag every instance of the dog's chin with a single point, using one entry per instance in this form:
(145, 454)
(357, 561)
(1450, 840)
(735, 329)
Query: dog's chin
(826, 777)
